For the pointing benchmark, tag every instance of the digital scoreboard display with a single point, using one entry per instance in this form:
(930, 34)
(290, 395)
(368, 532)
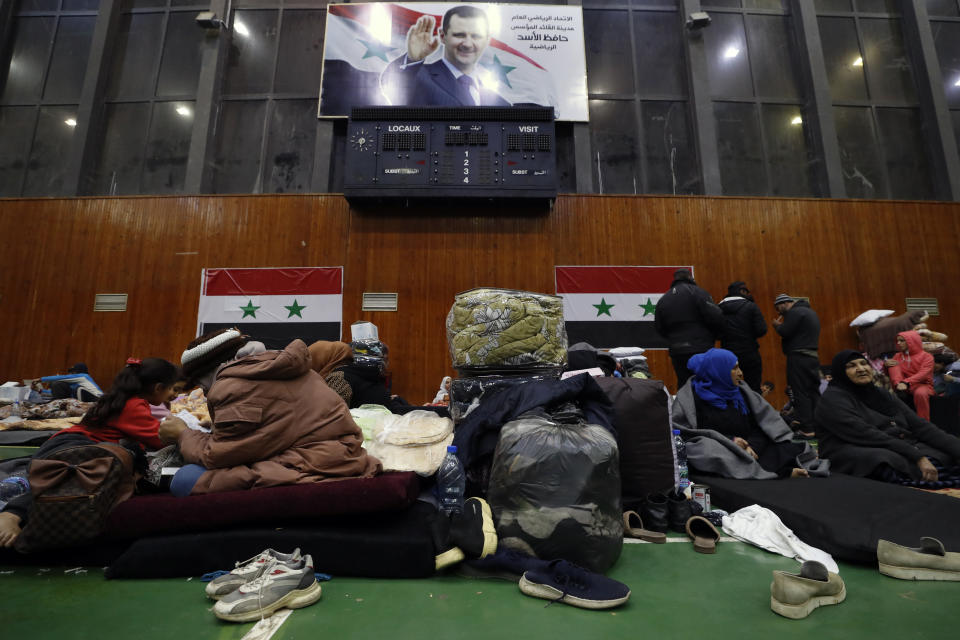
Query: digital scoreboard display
(433, 152)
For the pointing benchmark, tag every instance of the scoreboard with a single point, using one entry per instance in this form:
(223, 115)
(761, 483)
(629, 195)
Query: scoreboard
(444, 152)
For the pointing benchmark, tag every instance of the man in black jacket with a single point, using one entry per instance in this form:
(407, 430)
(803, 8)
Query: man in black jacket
(744, 323)
(690, 321)
(799, 328)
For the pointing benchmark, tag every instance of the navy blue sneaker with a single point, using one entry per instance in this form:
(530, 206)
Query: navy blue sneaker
(562, 581)
(506, 564)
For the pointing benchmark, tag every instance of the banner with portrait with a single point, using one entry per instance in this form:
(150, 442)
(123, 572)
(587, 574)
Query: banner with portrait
(399, 53)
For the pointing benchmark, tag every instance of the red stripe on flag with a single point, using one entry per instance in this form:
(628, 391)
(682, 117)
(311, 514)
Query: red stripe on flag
(273, 282)
(615, 279)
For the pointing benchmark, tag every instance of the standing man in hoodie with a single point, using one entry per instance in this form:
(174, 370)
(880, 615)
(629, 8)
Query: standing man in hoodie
(911, 371)
(743, 324)
(690, 321)
(799, 328)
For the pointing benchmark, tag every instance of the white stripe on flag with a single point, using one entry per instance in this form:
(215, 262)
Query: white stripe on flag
(287, 308)
(345, 40)
(609, 307)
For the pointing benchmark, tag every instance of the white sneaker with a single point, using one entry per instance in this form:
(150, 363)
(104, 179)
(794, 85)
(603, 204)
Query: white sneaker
(279, 586)
(249, 570)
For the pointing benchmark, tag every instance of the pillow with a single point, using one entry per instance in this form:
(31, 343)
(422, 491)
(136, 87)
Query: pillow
(867, 318)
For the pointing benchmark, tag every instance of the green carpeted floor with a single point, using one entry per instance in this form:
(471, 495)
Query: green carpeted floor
(676, 594)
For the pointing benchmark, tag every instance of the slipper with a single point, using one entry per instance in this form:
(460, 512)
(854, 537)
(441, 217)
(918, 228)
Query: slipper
(638, 531)
(705, 536)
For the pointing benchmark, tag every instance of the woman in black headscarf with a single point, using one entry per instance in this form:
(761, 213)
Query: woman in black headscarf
(867, 431)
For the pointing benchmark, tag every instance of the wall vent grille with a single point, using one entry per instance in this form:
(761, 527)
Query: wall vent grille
(379, 301)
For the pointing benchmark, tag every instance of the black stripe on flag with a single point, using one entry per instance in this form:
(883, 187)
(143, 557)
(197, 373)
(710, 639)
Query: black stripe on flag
(606, 335)
(277, 335)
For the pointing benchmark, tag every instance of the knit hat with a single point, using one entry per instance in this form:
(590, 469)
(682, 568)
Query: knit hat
(210, 350)
(780, 299)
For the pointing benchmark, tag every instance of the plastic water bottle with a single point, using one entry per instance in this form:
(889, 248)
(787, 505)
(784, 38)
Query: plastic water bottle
(682, 470)
(451, 482)
(15, 410)
(12, 487)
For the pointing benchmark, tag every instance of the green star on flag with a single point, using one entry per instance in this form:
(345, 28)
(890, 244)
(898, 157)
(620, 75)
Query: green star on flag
(249, 310)
(375, 50)
(295, 309)
(603, 307)
(500, 70)
(648, 308)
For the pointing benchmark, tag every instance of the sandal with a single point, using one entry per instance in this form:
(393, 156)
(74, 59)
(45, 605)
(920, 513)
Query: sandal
(631, 518)
(705, 536)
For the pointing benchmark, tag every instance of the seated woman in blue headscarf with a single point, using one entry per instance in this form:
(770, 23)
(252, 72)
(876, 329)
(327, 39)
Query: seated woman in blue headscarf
(730, 430)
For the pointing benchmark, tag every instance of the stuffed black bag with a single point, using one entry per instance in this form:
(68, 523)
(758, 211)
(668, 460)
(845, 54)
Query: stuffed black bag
(74, 490)
(555, 490)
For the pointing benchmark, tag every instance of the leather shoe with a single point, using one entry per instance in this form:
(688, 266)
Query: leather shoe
(796, 595)
(654, 511)
(929, 561)
(680, 510)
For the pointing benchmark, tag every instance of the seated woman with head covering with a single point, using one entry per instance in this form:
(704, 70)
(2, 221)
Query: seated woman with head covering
(275, 421)
(867, 431)
(730, 430)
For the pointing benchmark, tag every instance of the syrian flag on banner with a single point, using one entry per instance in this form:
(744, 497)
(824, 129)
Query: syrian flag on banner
(274, 306)
(361, 39)
(613, 306)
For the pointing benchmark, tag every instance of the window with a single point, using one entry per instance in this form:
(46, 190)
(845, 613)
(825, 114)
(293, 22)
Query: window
(763, 138)
(874, 92)
(640, 129)
(267, 118)
(148, 110)
(40, 93)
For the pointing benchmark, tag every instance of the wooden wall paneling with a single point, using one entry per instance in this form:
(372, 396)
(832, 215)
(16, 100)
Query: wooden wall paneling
(846, 255)
(427, 259)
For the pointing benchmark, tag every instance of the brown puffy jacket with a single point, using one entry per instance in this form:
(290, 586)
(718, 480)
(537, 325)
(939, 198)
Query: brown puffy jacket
(275, 422)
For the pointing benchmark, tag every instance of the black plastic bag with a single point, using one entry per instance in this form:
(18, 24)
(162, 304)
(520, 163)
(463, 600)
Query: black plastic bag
(555, 491)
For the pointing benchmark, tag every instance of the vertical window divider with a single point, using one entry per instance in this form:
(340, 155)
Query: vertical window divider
(933, 103)
(639, 143)
(89, 118)
(704, 127)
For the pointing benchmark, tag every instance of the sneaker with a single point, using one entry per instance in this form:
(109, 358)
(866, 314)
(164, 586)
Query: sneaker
(562, 581)
(506, 564)
(929, 561)
(248, 570)
(279, 586)
(472, 530)
(796, 595)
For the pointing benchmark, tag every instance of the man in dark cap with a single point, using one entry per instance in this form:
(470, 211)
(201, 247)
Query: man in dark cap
(743, 324)
(690, 321)
(799, 328)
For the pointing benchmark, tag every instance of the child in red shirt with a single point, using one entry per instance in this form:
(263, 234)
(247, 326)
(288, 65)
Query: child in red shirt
(123, 413)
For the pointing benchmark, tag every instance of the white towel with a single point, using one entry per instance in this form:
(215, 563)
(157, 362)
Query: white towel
(761, 527)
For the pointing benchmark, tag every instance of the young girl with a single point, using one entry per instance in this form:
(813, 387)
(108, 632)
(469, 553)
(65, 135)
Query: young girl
(121, 414)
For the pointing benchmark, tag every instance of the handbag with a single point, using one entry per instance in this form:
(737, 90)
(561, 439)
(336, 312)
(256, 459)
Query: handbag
(74, 490)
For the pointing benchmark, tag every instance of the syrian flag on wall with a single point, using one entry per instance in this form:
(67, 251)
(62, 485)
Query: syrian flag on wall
(274, 306)
(613, 306)
(361, 39)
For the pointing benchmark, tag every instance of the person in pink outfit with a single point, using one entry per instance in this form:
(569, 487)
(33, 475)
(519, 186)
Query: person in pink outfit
(911, 371)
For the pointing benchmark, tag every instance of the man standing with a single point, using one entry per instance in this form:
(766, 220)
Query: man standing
(688, 318)
(799, 328)
(454, 79)
(744, 323)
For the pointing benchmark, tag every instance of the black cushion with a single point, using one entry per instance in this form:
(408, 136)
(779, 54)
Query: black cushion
(844, 515)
